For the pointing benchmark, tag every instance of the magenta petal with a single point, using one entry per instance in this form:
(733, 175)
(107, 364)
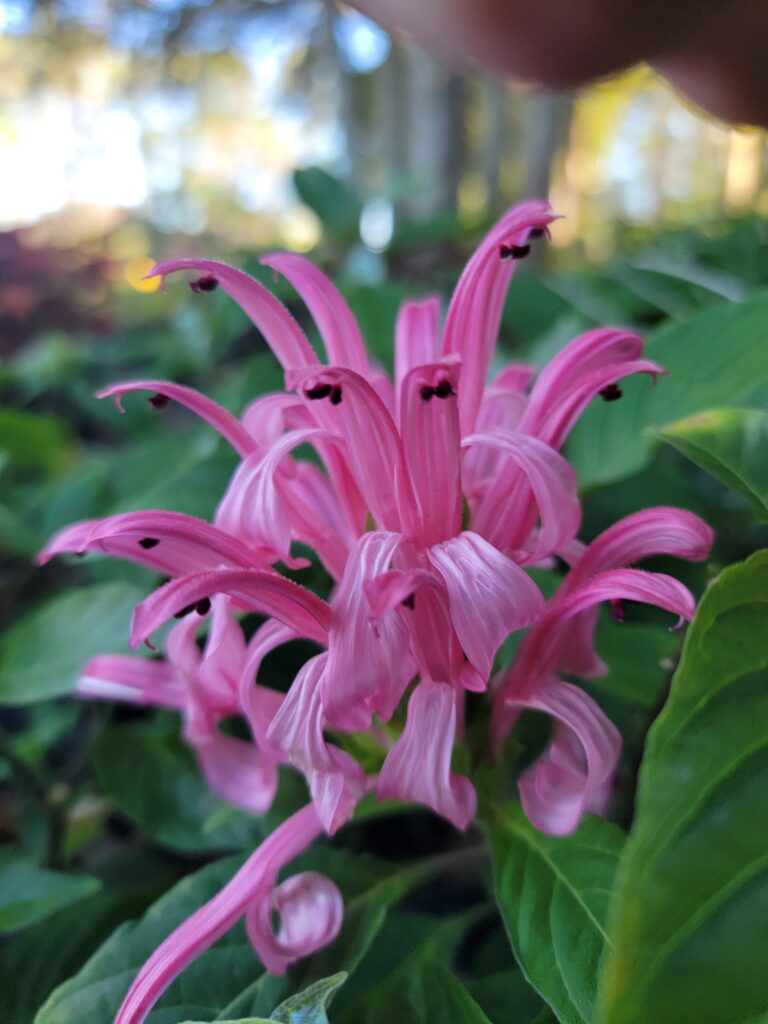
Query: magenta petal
(385, 592)
(259, 704)
(472, 323)
(338, 328)
(552, 482)
(310, 908)
(131, 680)
(575, 773)
(229, 426)
(190, 939)
(335, 779)
(237, 770)
(489, 596)
(417, 337)
(169, 542)
(265, 418)
(283, 334)
(418, 767)
(429, 417)
(369, 664)
(265, 592)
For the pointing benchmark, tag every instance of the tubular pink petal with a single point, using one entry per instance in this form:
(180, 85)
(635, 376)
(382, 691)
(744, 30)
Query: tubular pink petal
(255, 505)
(384, 593)
(472, 323)
(190, 939)
(169, 542)
(369, 664)
(237, 770)
(418, 767)
(131, 680)
(318, 518)
(515, 377)
(282, 333)
(258, 703)
(575, 773)
(501, 408)
(223, 657)
(229, 426)
(338, 328)
(430, 429)
(335, 779)
(417, 337)
(347, 405)
(265, 417)
(539, 653)
(552, 482)
(311, 910)
(652, 531)
(266, 592)
(489, 596)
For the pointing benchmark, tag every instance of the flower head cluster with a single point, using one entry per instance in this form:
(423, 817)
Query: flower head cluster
(437, 490)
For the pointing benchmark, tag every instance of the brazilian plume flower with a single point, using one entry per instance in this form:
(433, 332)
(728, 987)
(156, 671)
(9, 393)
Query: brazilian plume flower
(438, 490)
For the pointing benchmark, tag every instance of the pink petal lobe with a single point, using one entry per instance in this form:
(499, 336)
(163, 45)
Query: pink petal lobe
(553, 485)
(369, 664)
(229, 426)
(237, 770)
(576, 771)
(262, 591)
(472, 323)
(169, 542)
(131, 680)
(310, 908)
(489, 596)
(417, 337)
(338, 328)
(430, 429)
(190, 939)
(418, 767)
(283, 334)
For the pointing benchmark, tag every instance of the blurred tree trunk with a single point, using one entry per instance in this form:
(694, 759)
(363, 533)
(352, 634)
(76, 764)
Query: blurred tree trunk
(548, 128)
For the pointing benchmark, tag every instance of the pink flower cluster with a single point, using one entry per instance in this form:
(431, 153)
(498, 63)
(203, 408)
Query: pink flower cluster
(438, 489)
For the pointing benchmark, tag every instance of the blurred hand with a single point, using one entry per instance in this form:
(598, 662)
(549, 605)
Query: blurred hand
(712, 50)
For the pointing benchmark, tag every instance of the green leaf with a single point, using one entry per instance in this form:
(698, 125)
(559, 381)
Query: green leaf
(95, 993)
(424, 992)
(309, 1006)
(716, 357)
(29, 893)
(553, 895)
(506, 996)
(732, 446)
(42, 654)
(688, 927)
(34, 442)
(335, 205)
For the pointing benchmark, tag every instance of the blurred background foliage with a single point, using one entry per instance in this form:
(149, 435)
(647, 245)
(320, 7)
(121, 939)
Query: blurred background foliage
(134, 131)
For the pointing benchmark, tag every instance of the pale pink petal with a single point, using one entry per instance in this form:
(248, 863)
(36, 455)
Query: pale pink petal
(131, 680)
(317, 516)
(256, 506)
(514, 377)
(282, 333)
(489, 596)
(223, 657)
(418, 767)
(346, 404)
(502, 515)
(338, 328)
(310, 908)
(430, 429)
(265, 592)
(265, 418)
(170, 542)
(259, 704)
(472, 323)
(336, 781)
(585, 366)
(652, 531)
(384, 593)
(576, 771)
(417, 337)
(190, 939)
(236, 770)
(502, 408)
(368, 658)
(229, 426)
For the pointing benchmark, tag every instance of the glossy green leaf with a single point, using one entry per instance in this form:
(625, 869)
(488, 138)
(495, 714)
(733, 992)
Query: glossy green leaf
(732, 446)
(689, 928)
(335, 205)
(29, 893)
(309, 1006)
(153, 778)
(553, 895)
(42, 654)
(506, 996)
(424, 992)
(716, 357)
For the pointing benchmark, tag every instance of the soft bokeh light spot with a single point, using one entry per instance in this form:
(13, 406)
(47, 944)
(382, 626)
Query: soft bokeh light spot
(134, 271)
